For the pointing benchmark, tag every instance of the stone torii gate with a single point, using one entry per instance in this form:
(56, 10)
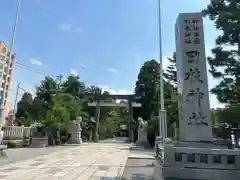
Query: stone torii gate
(99, 101)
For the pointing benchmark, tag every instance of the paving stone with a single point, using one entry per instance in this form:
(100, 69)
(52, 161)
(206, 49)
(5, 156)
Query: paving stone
(73, 174)
(36, 164)
(53, 170)
(112, 173)
(9, 169)
(87, 173)
(3, 176)
(103, 168)
(92, 162)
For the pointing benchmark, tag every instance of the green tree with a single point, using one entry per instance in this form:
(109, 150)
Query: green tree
(145, 88)
(58, 117)
(24, 107)
(60, 101)
(70, 103)
(111, 125)
(44, 92)
(230, 114)
(225, 62)
(171, 71)
(74, 86)
(37, 109)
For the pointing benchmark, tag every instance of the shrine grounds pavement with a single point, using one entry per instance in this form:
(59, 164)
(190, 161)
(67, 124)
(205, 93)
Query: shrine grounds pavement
(89, 161)
(108, 160)
(19, 154)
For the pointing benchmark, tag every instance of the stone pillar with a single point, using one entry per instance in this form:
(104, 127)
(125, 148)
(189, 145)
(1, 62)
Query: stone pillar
(90, 135)
(76, 130)
(194, 119)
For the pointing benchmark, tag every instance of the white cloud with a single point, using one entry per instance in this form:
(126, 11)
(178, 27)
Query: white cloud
(84, 65)
(68, 27)
(114, 91)
(166, 62)
(112, 70)
(76, 30)
(36, 62)
(74, 72)
(64, 27)
(43, 5)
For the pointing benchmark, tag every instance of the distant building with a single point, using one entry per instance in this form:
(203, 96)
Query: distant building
(5, 75)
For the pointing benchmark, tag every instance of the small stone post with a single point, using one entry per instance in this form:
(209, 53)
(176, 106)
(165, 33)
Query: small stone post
(76, 130)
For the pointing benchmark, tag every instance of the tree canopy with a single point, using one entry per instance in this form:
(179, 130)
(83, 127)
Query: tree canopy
(59, 101)
(225, 60)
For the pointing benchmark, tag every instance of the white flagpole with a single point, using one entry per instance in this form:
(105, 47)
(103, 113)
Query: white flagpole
(162, 113)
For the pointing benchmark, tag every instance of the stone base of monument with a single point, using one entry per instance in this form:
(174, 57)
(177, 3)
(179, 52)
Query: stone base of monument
(76, 141)
(200, 161)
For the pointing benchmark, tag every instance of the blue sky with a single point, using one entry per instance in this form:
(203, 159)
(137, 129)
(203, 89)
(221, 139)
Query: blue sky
(104, 41)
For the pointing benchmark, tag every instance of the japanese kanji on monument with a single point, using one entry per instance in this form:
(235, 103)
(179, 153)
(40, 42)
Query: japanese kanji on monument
(194, 110)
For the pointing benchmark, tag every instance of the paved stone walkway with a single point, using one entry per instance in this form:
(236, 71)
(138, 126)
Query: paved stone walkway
(85, 162)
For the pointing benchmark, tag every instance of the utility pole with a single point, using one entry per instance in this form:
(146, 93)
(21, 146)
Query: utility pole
(9, 59)
(16, 98)
(98, 119)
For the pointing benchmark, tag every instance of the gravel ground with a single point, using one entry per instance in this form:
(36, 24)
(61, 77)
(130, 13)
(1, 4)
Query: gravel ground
(18, 154)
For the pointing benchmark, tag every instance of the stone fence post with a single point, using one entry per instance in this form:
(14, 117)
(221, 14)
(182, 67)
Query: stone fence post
(76, 131)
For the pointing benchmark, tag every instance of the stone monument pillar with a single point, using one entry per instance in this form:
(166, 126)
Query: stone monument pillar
(76, 130)
(195, 159)
(194, 110)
